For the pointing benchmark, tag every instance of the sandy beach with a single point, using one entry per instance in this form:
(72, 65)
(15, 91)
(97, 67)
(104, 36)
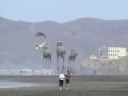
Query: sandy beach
(80, 86)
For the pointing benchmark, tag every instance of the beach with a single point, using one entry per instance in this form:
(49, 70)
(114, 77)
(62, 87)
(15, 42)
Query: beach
(80, 86)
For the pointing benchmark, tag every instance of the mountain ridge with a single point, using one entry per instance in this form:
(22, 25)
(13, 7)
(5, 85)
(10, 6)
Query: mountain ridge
(85, 35)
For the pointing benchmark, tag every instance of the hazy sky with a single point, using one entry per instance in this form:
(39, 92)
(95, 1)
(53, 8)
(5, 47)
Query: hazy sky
(63, 10)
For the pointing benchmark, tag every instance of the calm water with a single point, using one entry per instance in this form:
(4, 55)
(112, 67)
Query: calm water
(12, 84)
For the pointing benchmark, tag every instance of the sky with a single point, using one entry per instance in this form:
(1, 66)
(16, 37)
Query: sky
(62, 10)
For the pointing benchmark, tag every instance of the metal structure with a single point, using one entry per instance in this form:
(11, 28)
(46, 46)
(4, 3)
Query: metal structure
(71, 59)
(60, 51)
(47, 56)
(46, 52)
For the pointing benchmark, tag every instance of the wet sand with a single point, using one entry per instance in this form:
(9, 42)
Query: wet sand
(80, 86)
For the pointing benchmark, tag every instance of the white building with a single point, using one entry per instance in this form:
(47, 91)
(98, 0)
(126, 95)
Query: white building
(112, 53)
(116, 52)
(93, 57)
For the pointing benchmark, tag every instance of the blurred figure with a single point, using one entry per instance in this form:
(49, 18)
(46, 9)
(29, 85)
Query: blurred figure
(68, 77)
(61, 80)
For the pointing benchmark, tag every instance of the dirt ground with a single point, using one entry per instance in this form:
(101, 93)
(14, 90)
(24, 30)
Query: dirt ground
(80, 86)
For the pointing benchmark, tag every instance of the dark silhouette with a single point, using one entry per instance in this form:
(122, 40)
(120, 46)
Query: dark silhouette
(40, 34)
(47, 56)
(60, 54)
(71, 59)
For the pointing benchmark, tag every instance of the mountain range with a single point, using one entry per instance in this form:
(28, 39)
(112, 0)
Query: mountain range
(85, 35)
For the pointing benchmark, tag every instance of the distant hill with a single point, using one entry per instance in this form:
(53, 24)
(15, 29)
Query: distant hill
(86, 35)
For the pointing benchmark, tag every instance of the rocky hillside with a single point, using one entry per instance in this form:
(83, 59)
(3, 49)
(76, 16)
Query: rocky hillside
(86, 35)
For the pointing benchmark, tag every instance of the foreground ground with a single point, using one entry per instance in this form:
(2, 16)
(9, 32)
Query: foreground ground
(81, 86)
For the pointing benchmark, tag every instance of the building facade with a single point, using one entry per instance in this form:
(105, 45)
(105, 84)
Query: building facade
(116, 52)
(112, 53)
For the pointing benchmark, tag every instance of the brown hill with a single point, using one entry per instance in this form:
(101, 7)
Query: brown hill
(86, 35)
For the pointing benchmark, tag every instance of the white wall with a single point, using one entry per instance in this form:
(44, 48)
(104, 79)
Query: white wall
(116, 52)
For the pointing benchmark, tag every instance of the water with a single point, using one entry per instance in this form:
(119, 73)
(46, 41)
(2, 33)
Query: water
(12, 84)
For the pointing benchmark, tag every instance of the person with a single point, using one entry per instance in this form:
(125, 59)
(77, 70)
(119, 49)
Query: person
(61, 80)
(68, 77)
